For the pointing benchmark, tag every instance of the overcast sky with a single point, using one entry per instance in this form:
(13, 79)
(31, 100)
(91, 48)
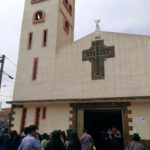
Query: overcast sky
(126, 16)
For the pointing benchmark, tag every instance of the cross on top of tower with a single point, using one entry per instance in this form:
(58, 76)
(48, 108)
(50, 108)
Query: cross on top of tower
(97, 54)
(97, 24)
(97, 29)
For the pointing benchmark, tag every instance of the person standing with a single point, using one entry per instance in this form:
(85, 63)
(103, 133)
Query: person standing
(14, 141)
(55, 142)
(4, 138)
(86, 141)
(68, 131)
(44, 141)
(135, 143)
(30, 142)
(63, 137)
(116, 138)
(74, 142)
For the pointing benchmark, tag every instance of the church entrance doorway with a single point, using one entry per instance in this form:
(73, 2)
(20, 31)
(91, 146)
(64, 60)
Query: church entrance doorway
(98, 121)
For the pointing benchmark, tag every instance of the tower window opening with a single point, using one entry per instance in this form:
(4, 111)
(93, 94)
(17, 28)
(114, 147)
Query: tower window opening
(35, 68)
(70, 9)
(36, 1)
(68, 6)
(66, 26)
(45, 38)
(39, 16)
(30, 40)
(66, 1)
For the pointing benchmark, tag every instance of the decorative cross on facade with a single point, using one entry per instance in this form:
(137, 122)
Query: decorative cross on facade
(97, 54)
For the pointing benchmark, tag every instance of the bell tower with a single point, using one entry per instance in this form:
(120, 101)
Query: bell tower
(47, 26)
(48, 21)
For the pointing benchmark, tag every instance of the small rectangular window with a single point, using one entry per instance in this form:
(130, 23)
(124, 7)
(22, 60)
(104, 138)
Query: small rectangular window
(66, 26)
(37, 117)
(30, 38)
(45, 38)
(44, 113)
(23, 119)
(35, 68)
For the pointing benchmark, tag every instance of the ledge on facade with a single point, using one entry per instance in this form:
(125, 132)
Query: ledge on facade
(86, 100)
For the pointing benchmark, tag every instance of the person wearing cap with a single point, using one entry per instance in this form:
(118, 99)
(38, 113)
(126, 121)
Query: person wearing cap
(135, 143)
(30, 142)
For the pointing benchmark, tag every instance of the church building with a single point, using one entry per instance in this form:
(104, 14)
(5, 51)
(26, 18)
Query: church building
(99, 81)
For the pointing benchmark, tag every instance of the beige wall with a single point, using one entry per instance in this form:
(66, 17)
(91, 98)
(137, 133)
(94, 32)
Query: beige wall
(46, 55)
(127, 74)
(57, 117)
(141, 110)
(63, 75)
(46, 70)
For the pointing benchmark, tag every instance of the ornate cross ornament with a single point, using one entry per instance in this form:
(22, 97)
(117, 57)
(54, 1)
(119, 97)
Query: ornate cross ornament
(97, 54)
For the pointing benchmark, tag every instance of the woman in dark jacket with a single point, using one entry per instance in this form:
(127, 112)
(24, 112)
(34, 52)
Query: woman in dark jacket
(55, 142)
(14, 141)
(74, 142)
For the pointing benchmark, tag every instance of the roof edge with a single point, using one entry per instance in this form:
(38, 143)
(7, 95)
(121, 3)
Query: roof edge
(85, 100)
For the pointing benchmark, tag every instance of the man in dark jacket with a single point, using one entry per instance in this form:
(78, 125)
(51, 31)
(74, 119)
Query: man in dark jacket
(135, 144)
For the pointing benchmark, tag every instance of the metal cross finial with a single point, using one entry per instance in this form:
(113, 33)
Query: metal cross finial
(97, 24)
(97, 37)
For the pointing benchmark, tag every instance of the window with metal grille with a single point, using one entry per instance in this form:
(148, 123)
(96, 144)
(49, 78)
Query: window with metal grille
(23, 119)
(37, 117)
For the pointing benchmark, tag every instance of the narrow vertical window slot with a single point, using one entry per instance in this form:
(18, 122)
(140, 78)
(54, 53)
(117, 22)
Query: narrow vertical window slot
(44, 113)
(35, 68)
(30, 38)
(37, 117)
(23, 119)
(45, 38)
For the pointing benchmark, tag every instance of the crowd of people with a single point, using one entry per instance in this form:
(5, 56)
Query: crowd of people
(60, 140)
(110, 139)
